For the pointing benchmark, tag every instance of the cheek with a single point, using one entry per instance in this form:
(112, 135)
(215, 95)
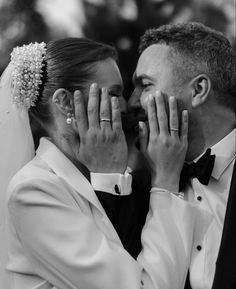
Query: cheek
(145, 95)
(144, 101)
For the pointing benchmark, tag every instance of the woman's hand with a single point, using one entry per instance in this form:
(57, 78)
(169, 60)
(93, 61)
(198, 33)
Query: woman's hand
(102, 147)
(165, 144)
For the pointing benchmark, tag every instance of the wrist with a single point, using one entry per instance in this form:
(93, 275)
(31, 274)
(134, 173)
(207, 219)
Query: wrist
(167, 182)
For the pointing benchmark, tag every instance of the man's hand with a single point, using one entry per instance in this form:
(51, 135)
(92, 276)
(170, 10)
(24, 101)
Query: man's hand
(102, 147)
(165, 144)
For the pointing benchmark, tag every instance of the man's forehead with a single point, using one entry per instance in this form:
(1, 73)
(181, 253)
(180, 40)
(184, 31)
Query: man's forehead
(151, 58)
(155, 53)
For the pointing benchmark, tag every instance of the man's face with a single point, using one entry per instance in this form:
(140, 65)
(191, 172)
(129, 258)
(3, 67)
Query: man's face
(155, 71)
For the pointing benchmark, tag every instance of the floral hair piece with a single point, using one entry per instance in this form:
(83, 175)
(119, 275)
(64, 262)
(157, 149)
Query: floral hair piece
(27, 73)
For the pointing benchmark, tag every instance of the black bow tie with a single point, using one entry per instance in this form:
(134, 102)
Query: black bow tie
(201, 170)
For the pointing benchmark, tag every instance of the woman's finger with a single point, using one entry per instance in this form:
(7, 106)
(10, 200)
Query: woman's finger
(152, 116)
(184, 126)
(93, 106)
(116, 116)
(80, 112)
(161, 113)
(105, 113)
(174, 120)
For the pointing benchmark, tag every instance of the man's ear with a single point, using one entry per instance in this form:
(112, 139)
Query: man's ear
(201, 86)
(63, 99)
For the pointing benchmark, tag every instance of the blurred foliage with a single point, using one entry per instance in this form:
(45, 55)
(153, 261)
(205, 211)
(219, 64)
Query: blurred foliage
(19, 23)
(117, 22)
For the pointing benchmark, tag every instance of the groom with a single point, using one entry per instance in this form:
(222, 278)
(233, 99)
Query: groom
(197, 65)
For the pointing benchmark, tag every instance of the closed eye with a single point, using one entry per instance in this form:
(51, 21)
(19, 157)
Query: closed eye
(146, 86)
(115, 93)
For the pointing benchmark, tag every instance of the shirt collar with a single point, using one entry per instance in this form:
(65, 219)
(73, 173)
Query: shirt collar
(224, 151)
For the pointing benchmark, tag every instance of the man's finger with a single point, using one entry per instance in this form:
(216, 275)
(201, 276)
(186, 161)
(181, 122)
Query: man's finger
(174, 120)
(152, 116)
(161, 113)
(184, 126)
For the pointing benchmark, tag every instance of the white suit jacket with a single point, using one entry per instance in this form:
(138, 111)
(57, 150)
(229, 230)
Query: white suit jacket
(59, 234)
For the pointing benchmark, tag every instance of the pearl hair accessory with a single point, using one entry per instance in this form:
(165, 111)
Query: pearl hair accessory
(27, 73)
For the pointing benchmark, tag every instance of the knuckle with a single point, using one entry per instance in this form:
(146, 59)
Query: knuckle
(91, 110)
(166, 141)
(105, 136)
(152, 118)
(117, 136)
(161, 117)
(153, 140)
(104, 113)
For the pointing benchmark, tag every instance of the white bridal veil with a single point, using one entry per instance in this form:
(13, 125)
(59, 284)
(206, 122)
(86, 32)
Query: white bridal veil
(16, 149)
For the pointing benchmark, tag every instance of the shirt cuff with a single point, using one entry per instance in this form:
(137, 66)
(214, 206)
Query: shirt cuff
(115, 184)
(161, 190)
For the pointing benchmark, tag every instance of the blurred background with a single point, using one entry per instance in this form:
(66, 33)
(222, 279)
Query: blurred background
(117, 22)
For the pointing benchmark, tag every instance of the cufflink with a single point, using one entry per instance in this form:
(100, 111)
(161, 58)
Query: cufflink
(117, 190)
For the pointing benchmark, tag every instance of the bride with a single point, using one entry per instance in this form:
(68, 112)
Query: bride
(59, 235)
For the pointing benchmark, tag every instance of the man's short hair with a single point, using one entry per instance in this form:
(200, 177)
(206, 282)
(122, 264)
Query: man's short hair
(202, 50)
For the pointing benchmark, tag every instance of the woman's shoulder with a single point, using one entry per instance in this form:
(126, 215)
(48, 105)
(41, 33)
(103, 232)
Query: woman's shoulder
(35, 169)
(34, 176)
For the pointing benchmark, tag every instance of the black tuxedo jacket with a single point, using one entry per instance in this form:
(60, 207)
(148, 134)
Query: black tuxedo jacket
(225, 274)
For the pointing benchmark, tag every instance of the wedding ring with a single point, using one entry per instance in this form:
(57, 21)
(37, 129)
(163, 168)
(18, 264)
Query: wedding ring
(174, 129)
(105, 119)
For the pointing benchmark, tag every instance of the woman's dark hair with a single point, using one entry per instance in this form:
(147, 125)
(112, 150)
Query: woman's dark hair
(69, 64)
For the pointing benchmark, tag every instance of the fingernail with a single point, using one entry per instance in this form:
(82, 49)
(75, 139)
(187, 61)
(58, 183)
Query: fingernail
(94, 85)
(104, 90)
(150, 97)
(115, 101)
(141, 125)
(185, 113)
(77, 93)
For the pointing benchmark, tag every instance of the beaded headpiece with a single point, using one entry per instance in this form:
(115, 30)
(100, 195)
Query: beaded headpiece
(27, 73)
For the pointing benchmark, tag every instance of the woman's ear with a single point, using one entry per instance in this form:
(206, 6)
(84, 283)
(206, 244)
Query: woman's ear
(201, 86)
(63, 99)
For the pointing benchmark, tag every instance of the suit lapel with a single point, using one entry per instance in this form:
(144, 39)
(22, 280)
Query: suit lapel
(225, 274)
(65, 169)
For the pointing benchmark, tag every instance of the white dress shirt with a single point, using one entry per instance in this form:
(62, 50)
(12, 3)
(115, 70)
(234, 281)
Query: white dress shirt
(211, 202)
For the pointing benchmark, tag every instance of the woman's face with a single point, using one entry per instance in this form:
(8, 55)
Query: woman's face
(107, 75)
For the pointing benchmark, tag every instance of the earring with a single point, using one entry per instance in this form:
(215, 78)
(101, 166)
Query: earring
(69, 118)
